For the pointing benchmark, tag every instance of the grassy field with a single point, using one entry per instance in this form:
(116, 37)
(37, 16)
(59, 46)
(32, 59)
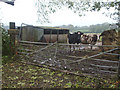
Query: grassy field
(84, 31)
(19, 75)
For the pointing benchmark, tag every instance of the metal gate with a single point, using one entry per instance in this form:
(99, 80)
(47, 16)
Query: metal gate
(80, 62)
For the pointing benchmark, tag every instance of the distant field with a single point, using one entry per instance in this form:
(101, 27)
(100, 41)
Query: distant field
(84, 31)
(92, 33)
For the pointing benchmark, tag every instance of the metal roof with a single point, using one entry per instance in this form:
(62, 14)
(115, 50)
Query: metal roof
(46, 27)
(57, 28)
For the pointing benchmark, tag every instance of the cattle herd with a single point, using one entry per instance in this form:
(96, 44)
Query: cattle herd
(109, 37)
(79, 37)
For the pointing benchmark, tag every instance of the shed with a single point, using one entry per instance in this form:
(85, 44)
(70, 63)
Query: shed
(30, 33)
(44, 34)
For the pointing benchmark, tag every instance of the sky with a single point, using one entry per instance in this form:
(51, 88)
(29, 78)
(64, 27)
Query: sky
(24, 11)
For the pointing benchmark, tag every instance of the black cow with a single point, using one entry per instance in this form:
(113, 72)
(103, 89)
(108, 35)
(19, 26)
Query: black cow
(74, 38)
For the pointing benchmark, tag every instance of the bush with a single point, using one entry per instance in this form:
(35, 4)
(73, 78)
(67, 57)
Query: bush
(6, 46)
(6, 49)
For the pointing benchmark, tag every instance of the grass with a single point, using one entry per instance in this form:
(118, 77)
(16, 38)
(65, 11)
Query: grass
(18, 75)
(84, 31)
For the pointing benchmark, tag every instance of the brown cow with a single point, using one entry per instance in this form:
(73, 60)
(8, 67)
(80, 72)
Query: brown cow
(87, 39)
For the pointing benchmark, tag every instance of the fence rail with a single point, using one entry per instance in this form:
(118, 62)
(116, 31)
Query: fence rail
(103, 66)
(106, 60)
(93, 66)
(85, 45)
(103, 71)
(94, 55)
(27, 50)
(112, 54)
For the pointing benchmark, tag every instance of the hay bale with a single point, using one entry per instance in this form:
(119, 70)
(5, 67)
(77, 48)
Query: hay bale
(109, 37)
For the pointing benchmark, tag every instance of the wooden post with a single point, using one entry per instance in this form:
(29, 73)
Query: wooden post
(12, 40)
(119, 39)
(50, 36)
(13, 37)
(119, 24)
(57, 35)
(119, 68)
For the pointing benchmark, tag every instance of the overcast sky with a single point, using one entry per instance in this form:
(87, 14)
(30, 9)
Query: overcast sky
(24, 11)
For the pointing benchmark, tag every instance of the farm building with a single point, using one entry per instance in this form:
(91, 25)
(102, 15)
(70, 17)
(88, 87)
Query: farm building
(44, 34)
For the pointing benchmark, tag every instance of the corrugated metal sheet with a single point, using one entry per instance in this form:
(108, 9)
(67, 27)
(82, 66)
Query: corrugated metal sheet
(31, 33)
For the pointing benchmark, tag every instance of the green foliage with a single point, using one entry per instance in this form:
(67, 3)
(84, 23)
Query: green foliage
(98, 28)
(45, 7)
(6, 44)
(7, 59)
(7, 55)
(68, 85)
(17, 74)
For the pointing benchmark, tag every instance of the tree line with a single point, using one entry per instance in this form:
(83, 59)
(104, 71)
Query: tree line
(98, 28)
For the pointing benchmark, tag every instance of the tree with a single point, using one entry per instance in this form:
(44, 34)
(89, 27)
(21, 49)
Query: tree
(45, 7)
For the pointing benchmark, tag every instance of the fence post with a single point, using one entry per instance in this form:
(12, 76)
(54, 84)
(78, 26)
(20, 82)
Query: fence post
(119, 68)
(13, 37)
(50, 36)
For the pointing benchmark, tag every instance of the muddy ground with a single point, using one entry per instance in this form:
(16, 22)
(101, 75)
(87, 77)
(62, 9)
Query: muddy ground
(17, 74)
(20, 75)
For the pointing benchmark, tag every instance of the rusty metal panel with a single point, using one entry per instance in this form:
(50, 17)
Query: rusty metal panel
(47, 38)
(62, 38)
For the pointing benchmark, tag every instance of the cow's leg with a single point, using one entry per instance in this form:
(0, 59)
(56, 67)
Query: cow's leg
(102, 49)
(91, 47)
(73, 48)
(70, 48)
(79, 46)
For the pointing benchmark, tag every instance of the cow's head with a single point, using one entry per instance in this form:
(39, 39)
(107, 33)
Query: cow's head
(80, 33)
